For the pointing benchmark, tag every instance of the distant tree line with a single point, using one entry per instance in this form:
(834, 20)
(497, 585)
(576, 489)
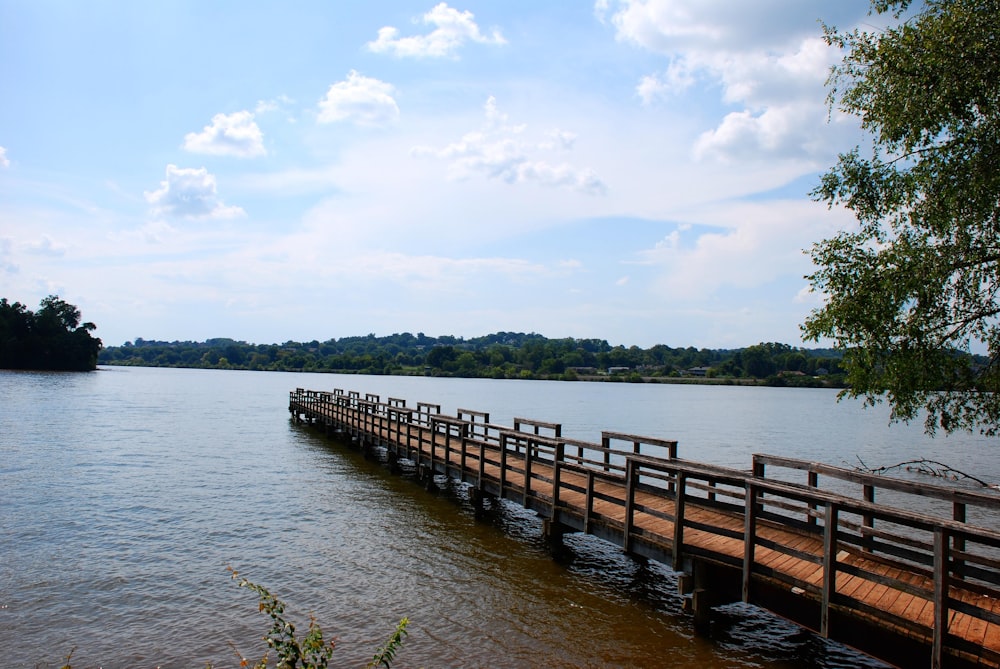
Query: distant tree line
(503, 355)
(51, 338)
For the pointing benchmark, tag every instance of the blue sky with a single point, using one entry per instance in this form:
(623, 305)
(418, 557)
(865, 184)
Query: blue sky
(630, 170)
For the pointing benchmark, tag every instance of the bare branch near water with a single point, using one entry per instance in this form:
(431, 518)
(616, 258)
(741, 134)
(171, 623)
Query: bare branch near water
(927, 468)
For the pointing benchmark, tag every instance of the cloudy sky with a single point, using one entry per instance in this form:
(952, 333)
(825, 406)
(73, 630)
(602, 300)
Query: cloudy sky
(630, 170)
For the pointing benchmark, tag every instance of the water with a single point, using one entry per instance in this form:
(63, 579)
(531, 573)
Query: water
(125, 493)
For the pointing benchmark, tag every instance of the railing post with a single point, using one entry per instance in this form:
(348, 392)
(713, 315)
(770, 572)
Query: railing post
(830, 522)
(482, 464)
(869, 520)
(813, 479)
(606, 447)
(941, 578)
(749, 535)
(958, 543)
(679, 500)
(527, 471)
(557, 462)
(630, 482)
(671, 485)
(447, 446)
(590, 501)
(465, 449)
(503, 463)
(433, 434)
(409, 435)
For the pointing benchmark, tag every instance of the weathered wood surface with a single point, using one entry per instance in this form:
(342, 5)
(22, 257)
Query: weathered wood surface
(828, 561)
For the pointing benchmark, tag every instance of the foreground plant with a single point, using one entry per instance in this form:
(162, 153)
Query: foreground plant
(387, 653)
(312, 651)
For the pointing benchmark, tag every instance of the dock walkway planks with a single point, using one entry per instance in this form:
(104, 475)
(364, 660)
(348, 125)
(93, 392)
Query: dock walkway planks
(908, 588)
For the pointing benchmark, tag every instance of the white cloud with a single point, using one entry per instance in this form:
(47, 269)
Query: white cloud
(452, 29)
(677, 78)
(559, 139)
(785, 130)
(650, 87)
(234, 134)
(360, 99)
(766, 57)
(809, 296)
(4, 162)
(287, 182)
(601, 8)
(274, 104)
(671, 26)
(501, 151)
(189, 193)
(7, 264)
(746, 246)
(438, 272)
(45, 247)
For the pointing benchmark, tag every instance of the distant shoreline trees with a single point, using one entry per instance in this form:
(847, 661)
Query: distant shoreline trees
(51, 339)
(503, 355)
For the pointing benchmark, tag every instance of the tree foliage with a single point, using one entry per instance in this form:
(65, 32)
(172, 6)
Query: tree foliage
(50, 339)
(917, 281)
(502, 355)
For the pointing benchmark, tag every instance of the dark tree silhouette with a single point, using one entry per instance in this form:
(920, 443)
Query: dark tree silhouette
(50, 339)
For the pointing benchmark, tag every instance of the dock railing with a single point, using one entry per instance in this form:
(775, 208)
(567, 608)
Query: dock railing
(929, 578)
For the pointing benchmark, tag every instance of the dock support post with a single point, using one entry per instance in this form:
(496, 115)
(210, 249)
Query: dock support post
(552, 532)
(478, 497)
(426, 474)
(703, 593)
(393, 461)
(368, 449)
(701, 607)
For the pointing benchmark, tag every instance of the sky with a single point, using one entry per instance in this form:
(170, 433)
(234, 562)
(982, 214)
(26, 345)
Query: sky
(630, 170)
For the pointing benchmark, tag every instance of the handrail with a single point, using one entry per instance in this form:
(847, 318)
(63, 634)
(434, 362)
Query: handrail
(803, 493)
(922, 489)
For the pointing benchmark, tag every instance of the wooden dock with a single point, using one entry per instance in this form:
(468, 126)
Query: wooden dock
(912, 589)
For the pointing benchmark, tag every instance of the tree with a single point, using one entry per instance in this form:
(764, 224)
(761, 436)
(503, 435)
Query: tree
(438, 356)
(915, 286)
(62, 315)
(51, 339)
(758, 362)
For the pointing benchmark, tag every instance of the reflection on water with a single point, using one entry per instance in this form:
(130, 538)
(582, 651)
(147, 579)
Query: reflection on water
(126, 492)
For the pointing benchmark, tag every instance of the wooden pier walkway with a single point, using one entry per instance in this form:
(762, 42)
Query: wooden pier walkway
(913, 589)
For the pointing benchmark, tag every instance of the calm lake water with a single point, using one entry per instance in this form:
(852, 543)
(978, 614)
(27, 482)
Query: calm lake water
(126, 492)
